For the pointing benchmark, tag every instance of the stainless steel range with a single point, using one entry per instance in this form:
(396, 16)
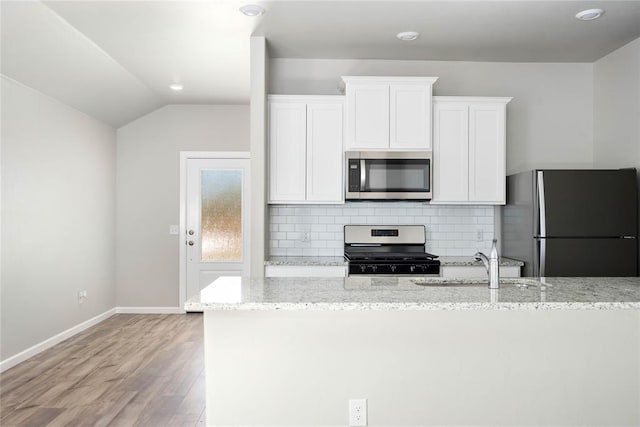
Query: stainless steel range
(388, 249)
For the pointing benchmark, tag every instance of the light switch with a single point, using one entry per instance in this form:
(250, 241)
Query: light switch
(174, 229)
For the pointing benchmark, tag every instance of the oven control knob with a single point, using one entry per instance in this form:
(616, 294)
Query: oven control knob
(412, 268)
(374, 268)
(363, 268)
(393, 268)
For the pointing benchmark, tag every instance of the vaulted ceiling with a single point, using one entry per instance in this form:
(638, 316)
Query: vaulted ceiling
(115, 60)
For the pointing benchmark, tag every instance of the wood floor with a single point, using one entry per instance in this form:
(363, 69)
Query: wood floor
(130, 370)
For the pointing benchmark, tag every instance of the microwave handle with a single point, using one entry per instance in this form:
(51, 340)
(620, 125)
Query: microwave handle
(363, 175)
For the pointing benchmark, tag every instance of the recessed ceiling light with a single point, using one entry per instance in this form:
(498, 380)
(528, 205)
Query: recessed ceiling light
(589, 14)
(408, 35)
(176, 87)
(252, 10)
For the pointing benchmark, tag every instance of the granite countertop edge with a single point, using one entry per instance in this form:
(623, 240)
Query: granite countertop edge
(454, 306)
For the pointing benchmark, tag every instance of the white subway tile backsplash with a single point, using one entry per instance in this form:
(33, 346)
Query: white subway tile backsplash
(382, 211)
(301, 228)
(318, 230)
(485, 220)
(286, 227)
(335, 228)
(341, 220)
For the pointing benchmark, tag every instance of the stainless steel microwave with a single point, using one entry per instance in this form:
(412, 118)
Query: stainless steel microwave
(388, 175)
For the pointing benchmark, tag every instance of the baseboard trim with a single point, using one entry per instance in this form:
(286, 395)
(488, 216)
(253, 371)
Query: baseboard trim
(149, 310)
(56, 339)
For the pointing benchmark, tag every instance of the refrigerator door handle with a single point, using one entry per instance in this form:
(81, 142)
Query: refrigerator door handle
(543, 257)
(542, 213)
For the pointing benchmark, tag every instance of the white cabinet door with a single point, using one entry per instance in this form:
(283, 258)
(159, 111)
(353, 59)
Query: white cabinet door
(306, 149)
(367, 116)
(287, 151)
(469, 150)
(450, 152)
(487, 170)
(305, 271)
(410, 116)
(324, 152)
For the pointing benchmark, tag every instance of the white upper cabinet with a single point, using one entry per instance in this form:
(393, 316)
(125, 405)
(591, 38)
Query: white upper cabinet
(469, 150)
(305, 149)
(324, 152)
(287, 150)
(367, 116)
(388, 113)
(450, 151)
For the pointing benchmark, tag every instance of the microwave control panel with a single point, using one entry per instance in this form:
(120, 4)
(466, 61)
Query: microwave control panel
(354, 175)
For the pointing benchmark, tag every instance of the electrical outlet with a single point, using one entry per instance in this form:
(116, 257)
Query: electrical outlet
(174, 230)
(82, 296)
(357, 412)
(479, 235)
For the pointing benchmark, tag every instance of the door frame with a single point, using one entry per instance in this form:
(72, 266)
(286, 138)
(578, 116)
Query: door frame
(182, 241)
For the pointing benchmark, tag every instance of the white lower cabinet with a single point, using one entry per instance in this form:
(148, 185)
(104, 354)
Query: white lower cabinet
(476, 271)
(305, 149)
(469, 150)
(305, 271)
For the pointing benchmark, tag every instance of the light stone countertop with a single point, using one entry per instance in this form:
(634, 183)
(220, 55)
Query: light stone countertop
(340, 261)
(402, 293)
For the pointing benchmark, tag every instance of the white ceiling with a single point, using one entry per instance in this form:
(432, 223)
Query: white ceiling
(115, 59)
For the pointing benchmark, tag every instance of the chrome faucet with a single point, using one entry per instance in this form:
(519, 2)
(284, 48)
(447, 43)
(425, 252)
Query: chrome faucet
(491, 265)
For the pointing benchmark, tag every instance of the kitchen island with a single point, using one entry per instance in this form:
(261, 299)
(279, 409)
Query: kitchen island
(286, 351)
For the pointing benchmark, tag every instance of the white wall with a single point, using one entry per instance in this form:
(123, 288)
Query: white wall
(148, 182)
(616, 112)
(616, 109)
(58, 212)
(548, 121)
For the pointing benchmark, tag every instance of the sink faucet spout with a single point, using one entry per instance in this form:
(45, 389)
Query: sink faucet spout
(491, 264)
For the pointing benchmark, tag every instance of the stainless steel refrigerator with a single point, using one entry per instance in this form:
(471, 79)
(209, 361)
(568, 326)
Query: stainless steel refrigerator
(572, 222)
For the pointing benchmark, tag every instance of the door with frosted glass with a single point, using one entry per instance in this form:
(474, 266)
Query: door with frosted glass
(217, 241)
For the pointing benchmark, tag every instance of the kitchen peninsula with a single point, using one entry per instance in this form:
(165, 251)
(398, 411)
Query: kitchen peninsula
(293, 351)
